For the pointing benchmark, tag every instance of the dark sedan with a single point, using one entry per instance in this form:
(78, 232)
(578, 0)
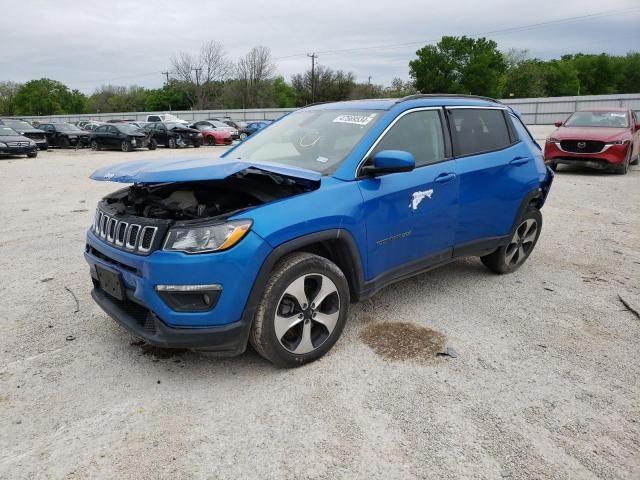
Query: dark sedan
(28, 130)
(12, 143)
(174, 135)
(251, 128)
(65, 135)
(120, 136)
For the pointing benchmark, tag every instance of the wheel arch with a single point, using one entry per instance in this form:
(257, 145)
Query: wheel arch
(336, 245)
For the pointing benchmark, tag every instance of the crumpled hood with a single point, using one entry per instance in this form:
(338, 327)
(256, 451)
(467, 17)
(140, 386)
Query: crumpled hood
(191, 169)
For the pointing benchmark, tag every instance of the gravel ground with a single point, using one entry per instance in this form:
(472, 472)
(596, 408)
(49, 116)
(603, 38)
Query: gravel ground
(544, 383)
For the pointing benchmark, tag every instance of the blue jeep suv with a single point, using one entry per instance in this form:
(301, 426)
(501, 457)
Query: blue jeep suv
(270, 243)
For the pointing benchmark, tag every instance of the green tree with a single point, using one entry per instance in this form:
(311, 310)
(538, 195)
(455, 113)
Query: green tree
(527, 79)
(561, 78)
(8, 92)
(284, 94)
(172, 96)
(48, 97)
(459, 65)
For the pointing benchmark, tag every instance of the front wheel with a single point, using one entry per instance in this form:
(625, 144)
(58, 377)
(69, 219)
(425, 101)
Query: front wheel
(510, 257)
(553, 167)
(211, 141)
(302, 312)
(33, 154)
(94, 145)
(172, 143)
(624, 167)
(125, 146)
(243, 136)
(153, 144)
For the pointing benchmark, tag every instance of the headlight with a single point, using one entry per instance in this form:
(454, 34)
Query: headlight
(553, 140)
(199, 135)
(209, 238)
(32, 143)
(620, 142)
(3, 145)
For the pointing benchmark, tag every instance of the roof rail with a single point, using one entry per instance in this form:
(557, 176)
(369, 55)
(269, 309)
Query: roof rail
(446, 95)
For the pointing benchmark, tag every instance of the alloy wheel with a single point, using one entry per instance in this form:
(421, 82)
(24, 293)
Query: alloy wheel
(307, 313)
(521, 243)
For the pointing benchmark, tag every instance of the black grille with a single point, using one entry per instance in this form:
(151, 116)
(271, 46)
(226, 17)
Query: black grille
(582, 146)
(130, 233)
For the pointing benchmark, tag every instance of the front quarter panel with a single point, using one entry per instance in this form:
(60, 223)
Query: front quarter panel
(334, 205)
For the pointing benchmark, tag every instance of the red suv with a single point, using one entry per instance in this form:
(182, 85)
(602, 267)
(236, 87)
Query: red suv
(597, 138)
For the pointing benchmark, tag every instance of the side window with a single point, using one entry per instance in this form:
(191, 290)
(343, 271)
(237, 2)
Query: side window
(101, 129)
(113, 130)
(153, 118)
(476, 130)
(419, 133)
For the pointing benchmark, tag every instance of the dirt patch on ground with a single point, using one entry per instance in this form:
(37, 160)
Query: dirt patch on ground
(400, 341)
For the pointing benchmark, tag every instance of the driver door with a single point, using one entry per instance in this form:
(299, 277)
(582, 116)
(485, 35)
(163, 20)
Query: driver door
(411, 217)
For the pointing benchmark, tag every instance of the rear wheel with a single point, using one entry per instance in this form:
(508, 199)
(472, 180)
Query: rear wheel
(153, 144)
(302, 312)
(94, 145)
(172, 143)
(243, 136)
(510, 257)
(211, 141)
(64, 142)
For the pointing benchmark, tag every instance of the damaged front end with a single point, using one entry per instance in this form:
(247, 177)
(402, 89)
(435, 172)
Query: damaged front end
(189, 216)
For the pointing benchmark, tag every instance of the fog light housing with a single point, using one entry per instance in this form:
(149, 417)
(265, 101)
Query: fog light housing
(190, 298)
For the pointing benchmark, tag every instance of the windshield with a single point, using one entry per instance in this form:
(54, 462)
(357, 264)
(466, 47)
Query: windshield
(18, 124)
(7, 132)
(598, 119)
(128, 129)
(217, 124)
(171, 125)
(312, 139)
(67, 127)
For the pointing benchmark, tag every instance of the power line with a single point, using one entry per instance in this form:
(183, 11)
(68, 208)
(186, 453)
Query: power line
(517, 29)
(313, 57)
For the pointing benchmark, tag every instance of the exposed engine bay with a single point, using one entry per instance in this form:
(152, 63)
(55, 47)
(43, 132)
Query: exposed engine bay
(183, 201)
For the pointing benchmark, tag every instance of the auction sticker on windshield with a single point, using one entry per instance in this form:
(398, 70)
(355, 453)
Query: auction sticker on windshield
(355, 119)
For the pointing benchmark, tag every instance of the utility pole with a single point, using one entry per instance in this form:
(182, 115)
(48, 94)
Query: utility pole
(197, 70)
(167, 75)
(313, 57)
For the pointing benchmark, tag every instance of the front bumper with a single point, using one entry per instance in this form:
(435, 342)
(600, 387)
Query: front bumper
(18, 150)
(224, 328)
(614, 155)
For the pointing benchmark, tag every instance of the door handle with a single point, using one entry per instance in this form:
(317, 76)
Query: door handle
(445, 177)
(519, 161)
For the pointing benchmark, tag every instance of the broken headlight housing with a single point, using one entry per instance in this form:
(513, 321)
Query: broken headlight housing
(207, 238)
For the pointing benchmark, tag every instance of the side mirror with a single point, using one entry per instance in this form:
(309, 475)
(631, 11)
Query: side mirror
(557, 124)
(390, 161)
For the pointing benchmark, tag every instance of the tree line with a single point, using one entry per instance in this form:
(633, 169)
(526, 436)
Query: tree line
(208, 79)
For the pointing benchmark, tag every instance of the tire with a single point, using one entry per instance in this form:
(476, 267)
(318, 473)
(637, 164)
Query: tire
(624, 168)
(94, 145)
(32, 154)
(152, 144)
(243, 136)
(211, 141)
(43, 147)
(553, 167)
(510, 257)
(635, 160)
(125, 146)
(196, 145)
(172, 143)
(64, 143)
(300, 336)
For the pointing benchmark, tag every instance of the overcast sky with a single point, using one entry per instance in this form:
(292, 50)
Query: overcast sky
(86, 44)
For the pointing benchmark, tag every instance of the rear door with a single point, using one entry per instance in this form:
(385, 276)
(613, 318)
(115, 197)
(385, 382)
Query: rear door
(496, 170)
(410, 217)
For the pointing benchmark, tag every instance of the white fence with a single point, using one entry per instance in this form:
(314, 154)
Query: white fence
(535, 111)
(545, 111)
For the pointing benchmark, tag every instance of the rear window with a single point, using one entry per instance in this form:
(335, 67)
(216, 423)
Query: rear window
(477, 130)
